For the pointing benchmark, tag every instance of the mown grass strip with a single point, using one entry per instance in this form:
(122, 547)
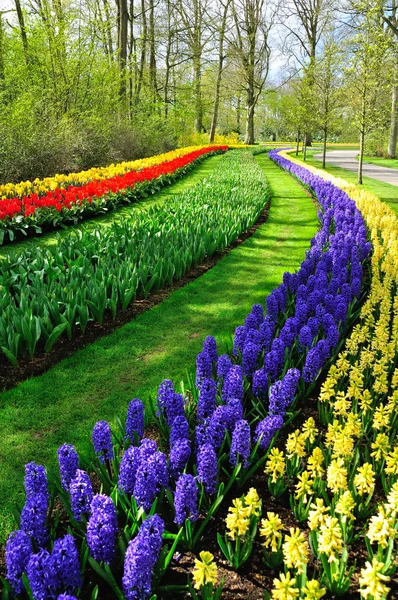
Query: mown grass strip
(197, 174)
(97, 382)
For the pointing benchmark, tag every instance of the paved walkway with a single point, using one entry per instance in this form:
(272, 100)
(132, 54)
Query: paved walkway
(346, 159)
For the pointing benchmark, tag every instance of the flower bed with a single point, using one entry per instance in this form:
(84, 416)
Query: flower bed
(55, 289)
(67, 205)
(159, 498)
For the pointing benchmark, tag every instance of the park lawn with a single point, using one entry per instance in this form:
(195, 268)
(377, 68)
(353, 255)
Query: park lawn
(98, 381)
(202, 170)
(391, 163)
(385, 191)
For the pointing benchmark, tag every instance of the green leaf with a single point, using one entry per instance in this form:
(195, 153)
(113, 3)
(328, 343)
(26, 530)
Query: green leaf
(55, 334)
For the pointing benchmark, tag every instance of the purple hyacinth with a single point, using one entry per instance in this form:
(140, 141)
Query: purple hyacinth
(306, 336)
(314, 324)
(166, 389)
(272, 306)
(102, 528)
(135, 421)
(171, 404)
(81, 494)
(66, 597)
(233, 384)
(258, 313)
(249, 358)
(159, 463)
(201, 436)
(65, 559)
(240, 446)
(260, 384)
(204, 368)
(68, 460)
(234, 412)
(207, 398)
(266, 335)
(267, 429)
(207, 468)
(218, 425)
(33, 518)
(102, 441)
(42, 576)
(128, 470)
(341, 311)
(147, 448)
(251, 322)
(210, 347)
(146, 485)
(35, 481)
(18, 552)
(180, 454)
(186, 500)
(141, 556)
(223, 366)
(179, 430)
(313, 363)
(239, 339)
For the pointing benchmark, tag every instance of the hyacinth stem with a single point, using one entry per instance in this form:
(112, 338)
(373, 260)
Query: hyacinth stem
(104, 571)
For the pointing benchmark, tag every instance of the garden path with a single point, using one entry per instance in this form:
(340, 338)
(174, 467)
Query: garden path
(346, 159)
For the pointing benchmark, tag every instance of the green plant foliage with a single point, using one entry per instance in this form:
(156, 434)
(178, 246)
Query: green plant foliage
(91, 272)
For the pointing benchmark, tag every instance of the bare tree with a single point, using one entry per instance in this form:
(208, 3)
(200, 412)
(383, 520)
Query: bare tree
(253, 20)
(221, 59)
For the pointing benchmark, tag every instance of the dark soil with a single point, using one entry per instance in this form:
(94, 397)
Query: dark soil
(10, 376)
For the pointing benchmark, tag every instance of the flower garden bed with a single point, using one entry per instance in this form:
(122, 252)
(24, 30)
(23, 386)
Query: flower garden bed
(55, 291)
(66, 200)
(131, 529)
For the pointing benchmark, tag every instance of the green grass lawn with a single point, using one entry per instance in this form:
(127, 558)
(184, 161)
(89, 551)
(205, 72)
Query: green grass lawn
(385, 191)
(197, 174)
(391, 163)
(63, 404)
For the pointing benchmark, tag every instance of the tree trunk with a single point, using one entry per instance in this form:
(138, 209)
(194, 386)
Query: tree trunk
(108, 29)
(219, 74)
(392, 142)
(361, 150)
(249, 135)
(123, 18)
(298, 142)
(325, 136)
(238, 115)
(198, 93)
(144, 37)
(1, 48)
(152, 54)
(305, 147)
(22, 28)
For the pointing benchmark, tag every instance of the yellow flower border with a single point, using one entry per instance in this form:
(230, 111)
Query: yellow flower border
(40, 186)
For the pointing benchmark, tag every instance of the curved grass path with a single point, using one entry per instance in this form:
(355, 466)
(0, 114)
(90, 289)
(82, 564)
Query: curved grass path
(166, 193)
(97, 382)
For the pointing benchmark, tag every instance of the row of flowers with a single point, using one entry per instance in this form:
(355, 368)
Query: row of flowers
(63, 180)
(156, 497)
(35, 213)
(92, 274)
(343, 471)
